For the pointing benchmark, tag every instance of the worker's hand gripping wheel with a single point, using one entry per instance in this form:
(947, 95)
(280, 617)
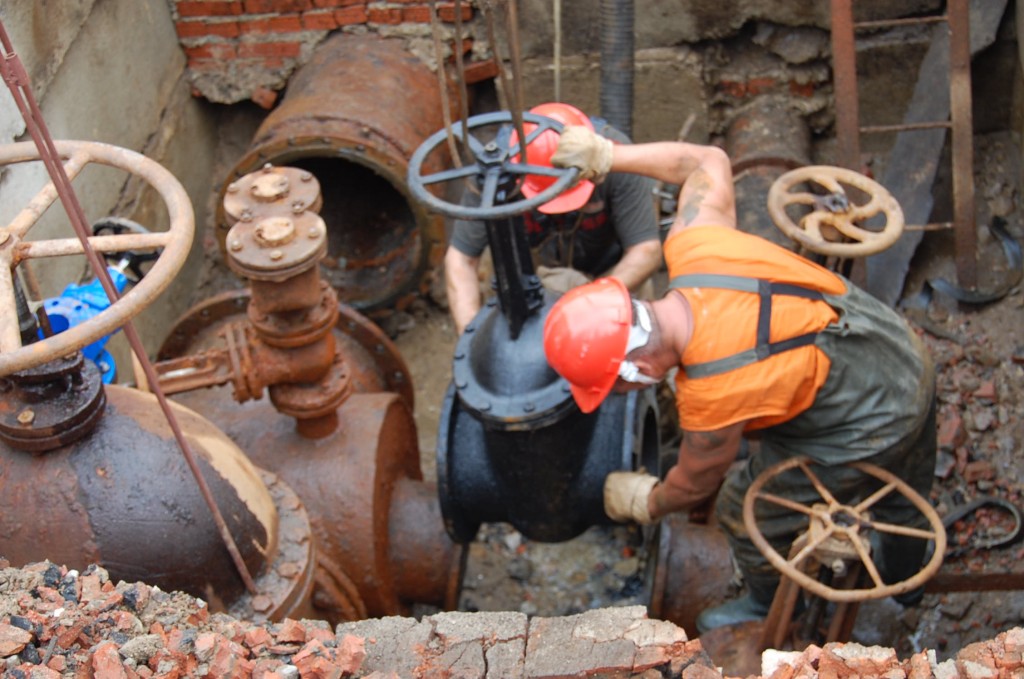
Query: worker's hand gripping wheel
(838, 531)
(494, 165)
(834, 225)
(14, 249)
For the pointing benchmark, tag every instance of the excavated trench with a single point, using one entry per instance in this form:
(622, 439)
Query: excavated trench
(68, 621)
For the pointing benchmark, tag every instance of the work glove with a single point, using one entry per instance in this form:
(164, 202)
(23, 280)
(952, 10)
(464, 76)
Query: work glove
(585, 150)
(625, 496)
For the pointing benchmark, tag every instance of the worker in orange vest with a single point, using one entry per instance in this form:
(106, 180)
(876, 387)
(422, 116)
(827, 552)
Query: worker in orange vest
(766, 344)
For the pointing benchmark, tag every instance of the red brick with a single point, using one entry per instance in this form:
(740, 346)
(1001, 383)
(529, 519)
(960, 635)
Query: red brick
(446, 12)
(951, 430)
(384, 16)
(199, 29)
(334, 4)
(106, 663)
(277, 6)
(212, 8)
(269, 49)
(801, 89)
(317, 21)
(291, 632)
(278, 24)
(419, 15)
(12, 639)
(264, 97)
(351, 15)
(757, 86)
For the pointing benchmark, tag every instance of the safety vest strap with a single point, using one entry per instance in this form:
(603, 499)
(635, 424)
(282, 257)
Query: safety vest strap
(764, 347)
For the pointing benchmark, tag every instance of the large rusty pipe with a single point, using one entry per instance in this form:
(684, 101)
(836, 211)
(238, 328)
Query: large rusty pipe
(691, 571)
(122, 497)
(765, 139)
(359, 485)
(353, 116)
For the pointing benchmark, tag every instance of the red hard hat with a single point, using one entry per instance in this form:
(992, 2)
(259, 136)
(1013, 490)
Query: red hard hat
(539, 152)
(585, 336)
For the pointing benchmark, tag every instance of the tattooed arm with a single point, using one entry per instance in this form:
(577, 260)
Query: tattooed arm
(704, 458)
(704, 173)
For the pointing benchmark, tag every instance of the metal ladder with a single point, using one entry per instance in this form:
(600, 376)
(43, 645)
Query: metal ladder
(848, 128)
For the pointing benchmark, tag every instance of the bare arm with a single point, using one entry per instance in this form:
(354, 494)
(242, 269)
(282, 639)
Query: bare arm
(704, 174)
(463, 285)
(638, 263)
(704, 458)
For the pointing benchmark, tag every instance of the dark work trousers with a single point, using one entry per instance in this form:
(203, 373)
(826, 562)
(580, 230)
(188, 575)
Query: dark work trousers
(877, 405)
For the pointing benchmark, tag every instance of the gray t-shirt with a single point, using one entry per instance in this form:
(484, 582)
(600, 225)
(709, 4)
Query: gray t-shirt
(619, 214)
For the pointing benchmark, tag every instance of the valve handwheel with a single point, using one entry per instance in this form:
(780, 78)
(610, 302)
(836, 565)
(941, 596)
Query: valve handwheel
(848, 524)
(493, 167)
(834, 225)
(14, 249)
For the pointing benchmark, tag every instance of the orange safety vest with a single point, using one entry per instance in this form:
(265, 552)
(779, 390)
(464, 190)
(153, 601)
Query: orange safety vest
(729, 372)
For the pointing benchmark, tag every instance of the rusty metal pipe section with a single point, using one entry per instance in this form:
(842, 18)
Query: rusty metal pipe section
(765, 139)
(381, 545)
(352, 455)
(92, 474)
(690, 572)
(352, 117)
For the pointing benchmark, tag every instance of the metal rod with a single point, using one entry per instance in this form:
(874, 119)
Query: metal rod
(962, 143)
(844, 76)
(903, 127)
(889, 23)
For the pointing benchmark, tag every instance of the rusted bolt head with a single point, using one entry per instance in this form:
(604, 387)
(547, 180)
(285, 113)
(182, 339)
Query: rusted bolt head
(298, 206)
(306, 176)
(268, 167)
(275, 231)
(26, 416)
(233, 187)
(236, 245)
(276, 255)
(314, 232)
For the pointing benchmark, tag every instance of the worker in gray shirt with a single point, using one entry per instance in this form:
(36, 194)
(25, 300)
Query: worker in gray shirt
(604, 229)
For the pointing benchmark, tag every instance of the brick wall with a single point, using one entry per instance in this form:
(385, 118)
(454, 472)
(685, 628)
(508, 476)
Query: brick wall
(247, 49)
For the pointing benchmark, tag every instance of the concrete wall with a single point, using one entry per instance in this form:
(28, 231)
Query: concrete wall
(111, 71)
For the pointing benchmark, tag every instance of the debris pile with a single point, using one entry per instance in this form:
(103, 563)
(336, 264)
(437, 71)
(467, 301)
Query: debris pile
(55, 623)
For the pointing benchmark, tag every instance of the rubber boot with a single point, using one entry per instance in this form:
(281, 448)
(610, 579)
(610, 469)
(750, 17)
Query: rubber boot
(753, 605)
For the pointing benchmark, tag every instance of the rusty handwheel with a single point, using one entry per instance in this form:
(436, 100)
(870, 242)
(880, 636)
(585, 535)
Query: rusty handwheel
(834, 225)
(838, 527)
(14, 249)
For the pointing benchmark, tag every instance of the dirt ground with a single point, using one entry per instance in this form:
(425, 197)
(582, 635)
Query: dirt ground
(980, 353)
